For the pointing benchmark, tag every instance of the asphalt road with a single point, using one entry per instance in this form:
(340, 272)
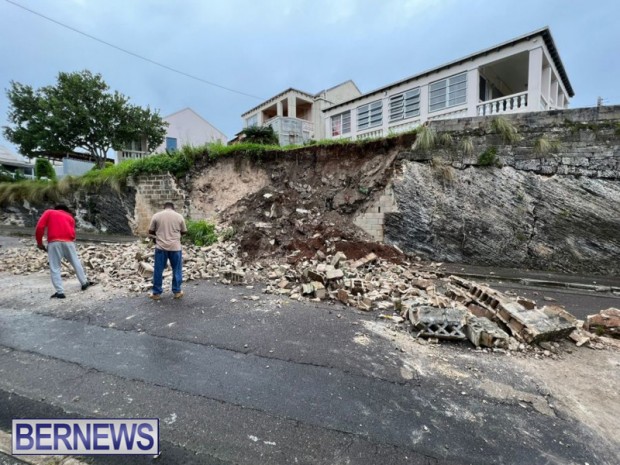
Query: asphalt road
(238, 381)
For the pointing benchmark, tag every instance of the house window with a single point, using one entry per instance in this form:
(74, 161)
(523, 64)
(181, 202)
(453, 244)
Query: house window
(252, 121)
(448, 92)
(134, 146)
(370, 115)
(405, 105)
(171, 144)
(341, 123)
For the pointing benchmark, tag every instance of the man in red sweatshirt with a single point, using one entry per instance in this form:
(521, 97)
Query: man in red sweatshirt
(60, 227)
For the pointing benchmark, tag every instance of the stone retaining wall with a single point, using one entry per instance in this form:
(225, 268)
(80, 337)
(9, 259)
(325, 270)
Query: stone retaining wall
(152, 191)
(556, 211)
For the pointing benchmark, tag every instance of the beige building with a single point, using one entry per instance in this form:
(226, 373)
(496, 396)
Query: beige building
(297, 116)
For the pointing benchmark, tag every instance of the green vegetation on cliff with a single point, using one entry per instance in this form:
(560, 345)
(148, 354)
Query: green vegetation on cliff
(178, 163)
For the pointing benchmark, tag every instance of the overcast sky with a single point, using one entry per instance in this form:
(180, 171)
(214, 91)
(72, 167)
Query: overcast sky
(262, 47)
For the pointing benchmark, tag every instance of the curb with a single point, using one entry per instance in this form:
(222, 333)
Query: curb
(538, 282)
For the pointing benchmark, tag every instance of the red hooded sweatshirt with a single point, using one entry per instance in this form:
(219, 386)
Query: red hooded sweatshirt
(60, 227)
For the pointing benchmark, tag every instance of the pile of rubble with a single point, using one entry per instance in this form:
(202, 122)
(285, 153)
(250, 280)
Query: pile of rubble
(126, 265)
(410, 294)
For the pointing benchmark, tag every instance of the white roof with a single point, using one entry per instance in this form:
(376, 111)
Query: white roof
(9, 158)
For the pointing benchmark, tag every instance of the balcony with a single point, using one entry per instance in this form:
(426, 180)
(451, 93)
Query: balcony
(131, 155)
(515, 103)
(291, 131)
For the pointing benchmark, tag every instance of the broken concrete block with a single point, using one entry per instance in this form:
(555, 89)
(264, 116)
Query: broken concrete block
(145, 269)
(364, 304)
(483, 332)
(443, 323)
(604, 322)
(235, 277)
(314, 276)
(307, 288)
(384, 305)
(581, 336)
(284, 284)
(527, 303)
(421, 283)
(340, 256)
(334, 274)
(478, 311)
(526, 325)
(319, 290)
(343, 296)
(370, 258)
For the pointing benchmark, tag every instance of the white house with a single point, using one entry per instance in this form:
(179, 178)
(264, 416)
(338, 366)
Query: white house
(297, 116)
(185, 127)
(13, 163)
(523, 75)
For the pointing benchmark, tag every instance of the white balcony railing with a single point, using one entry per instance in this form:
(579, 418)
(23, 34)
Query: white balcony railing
(291, 130)
(404, 127)
(514, 103)
(370, 134)
(131, 155)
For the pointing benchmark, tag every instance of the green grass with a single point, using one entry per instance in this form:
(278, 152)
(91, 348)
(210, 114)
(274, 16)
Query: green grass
(545, 145)
(177, 163)
(467, 146)
(506, 129)
(36, 192)
(425, 140)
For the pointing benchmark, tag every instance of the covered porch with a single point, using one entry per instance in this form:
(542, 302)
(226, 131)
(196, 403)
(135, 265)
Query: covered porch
(523, 82)
(291, 118)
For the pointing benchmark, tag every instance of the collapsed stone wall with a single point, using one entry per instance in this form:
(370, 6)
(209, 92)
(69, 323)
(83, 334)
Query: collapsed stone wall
(556, 210)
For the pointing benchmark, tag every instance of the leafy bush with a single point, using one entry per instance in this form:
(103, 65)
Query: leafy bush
(44, 169)
(488, 157)
(200, 233)
(264, 135)
(6, 175)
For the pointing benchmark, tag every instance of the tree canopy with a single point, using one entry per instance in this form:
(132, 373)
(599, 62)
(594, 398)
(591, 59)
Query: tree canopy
(78, 113)
(44, 169)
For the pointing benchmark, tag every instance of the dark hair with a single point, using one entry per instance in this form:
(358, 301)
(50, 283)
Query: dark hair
(169, 205)
(62, 207)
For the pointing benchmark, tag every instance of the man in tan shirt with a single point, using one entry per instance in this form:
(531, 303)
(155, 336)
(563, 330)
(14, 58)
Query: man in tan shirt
(167, 226)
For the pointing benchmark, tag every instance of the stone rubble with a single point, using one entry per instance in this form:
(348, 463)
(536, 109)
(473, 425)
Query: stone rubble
(604, 322)
(407, 294)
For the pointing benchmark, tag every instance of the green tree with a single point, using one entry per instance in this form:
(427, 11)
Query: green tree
(44, 169)
(260, 135)
(79, 112)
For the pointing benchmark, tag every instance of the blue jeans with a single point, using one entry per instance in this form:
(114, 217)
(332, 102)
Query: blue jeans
(176, 263)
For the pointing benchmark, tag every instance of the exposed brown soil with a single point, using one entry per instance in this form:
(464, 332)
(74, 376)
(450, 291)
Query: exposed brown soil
(310, 205)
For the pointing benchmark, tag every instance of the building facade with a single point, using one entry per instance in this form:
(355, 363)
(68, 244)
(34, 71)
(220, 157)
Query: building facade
(185, 127)
(297, 116)
(522, 75)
